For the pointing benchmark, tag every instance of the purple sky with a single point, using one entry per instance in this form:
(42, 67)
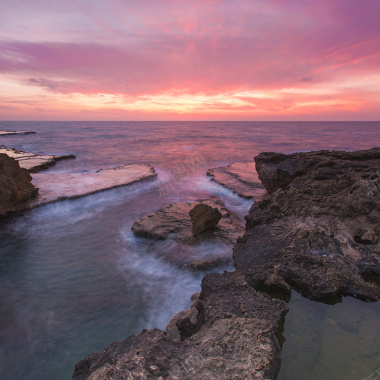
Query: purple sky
(180, 60)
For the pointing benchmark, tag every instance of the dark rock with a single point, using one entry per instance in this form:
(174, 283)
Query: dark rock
(16, 188)
(239, 177)
(6, 133)
(233, 335)
(319, 230)
(204, 218)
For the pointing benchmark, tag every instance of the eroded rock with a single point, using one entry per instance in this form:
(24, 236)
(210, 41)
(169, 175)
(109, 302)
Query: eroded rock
(33, 162)
(58, 186)
(16, 188)
(174, 221)
(204, 218)
(239, 177)
(319, 230)
(232, 337)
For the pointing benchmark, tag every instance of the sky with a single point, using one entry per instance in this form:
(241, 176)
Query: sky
(190, 60)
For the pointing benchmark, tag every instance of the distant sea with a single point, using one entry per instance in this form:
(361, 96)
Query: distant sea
(74, 279)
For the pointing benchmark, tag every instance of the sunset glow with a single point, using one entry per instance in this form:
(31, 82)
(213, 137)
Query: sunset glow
(190, 60)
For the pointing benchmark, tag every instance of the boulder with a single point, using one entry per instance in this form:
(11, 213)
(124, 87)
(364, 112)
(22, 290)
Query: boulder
(204, 218)
(16, 188)
(318, 231)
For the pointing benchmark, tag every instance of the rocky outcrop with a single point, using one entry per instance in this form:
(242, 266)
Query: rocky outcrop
(232, 336)
(31, 161)
(5, 133)
(318, 231)
(239, 177)
(16, 188)
(59, 186)
(174, 221)
(204, 218)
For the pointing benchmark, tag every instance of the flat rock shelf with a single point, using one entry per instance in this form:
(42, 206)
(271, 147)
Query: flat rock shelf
(54, 187)
(33, 162)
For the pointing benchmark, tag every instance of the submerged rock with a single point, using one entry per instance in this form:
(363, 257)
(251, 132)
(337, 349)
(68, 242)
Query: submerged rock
(204, 218)
(239, 177)
(59, 186)
(231, 336)
(174, 221)
(318, 231)
(16, 188)
(33, 162)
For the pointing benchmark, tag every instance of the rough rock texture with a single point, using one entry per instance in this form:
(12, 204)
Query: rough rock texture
(31, 161)
(204, 218)
(15, 186)
(232, 337)
(239, 177)
(174, 221)
(318, 231)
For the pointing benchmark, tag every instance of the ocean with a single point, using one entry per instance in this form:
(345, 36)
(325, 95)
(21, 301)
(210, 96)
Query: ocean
(74, 279)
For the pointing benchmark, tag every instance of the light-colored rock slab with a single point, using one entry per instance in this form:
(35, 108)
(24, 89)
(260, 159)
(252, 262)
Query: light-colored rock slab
(4, 133)
(58, 186)
(174, 221)
(31, 161)
(239, 177)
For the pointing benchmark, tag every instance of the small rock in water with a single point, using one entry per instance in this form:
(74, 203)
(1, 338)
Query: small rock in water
(204, 218)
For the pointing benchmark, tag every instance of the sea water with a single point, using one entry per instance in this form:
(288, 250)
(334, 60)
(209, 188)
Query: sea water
(74, 279)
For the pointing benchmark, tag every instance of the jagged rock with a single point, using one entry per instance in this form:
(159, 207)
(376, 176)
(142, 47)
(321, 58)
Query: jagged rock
(319, 230)
(174, 221)
(233, 337)
(31, 161)
(239, 177)
(58, 186)
(204, 218)
(184, 323)
(15, 186)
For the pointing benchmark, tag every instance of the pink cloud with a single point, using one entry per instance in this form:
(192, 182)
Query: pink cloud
(145, 48)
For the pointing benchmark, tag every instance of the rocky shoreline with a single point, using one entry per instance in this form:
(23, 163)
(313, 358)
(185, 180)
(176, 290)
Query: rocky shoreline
(315, 231)
(21, 191)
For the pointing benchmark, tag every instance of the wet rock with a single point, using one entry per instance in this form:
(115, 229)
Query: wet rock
(204, 218)
(184, 323)
(4, 133)
(16, 188)
(174, 221)
(33, 162)
(319, 230)
(239, 177)
(59, 186)
(233, 336)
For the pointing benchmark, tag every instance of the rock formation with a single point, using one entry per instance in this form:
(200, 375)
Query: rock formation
(5, 133)
(58, 186)
(318, 231)
(204, 218)
(15, 186)
(31, 161)
(239, 177)
(174, 221)
(233, 336)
